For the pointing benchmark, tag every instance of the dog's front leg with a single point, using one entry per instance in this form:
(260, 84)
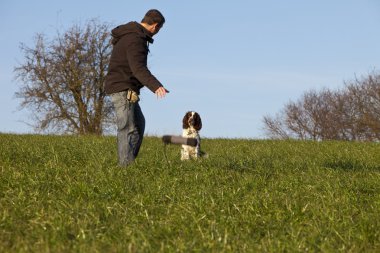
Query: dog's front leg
(185, 153)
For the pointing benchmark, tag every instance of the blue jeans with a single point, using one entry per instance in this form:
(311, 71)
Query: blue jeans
(130, 128)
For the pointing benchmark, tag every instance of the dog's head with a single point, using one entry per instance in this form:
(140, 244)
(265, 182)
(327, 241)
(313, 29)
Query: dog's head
(192, 120)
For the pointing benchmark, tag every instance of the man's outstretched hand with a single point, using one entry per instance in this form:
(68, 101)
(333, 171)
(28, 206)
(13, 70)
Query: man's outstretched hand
(161, 92)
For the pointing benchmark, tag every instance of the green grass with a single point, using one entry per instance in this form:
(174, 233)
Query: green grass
(67, 194)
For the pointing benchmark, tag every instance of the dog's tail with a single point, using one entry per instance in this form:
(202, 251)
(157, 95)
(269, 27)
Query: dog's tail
(203, 154)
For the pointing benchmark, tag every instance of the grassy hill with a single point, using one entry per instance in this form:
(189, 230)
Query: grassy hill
(66, 193)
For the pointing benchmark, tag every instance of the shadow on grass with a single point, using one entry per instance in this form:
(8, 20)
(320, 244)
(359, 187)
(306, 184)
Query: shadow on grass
(350, 166)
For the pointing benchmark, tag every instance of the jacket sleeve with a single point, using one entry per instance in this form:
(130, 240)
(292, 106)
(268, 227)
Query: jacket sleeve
(137, 54)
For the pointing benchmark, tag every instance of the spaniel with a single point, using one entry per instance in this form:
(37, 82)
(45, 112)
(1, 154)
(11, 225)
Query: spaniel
(191, 125)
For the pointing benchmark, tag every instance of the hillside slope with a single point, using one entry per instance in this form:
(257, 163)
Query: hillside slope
(66, 193)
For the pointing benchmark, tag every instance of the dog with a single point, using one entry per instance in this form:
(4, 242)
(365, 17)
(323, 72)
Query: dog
(191, 125)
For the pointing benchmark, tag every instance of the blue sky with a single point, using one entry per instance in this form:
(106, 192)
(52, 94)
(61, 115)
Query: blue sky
(232, 61)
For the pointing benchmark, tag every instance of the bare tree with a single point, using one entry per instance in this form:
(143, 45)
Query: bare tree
(276, 128)
(352, 113)
(62, 80)
(365, 100)
(308, 118)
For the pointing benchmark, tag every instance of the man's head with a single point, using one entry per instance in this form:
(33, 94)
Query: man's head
(153, 21)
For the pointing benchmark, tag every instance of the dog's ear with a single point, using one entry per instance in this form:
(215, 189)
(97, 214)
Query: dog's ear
(185, 121)
(198, 122)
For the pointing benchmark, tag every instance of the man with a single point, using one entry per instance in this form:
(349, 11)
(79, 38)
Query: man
(127, 74)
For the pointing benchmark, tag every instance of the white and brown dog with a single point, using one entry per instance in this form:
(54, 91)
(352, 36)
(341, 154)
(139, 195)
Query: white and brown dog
(191, 125)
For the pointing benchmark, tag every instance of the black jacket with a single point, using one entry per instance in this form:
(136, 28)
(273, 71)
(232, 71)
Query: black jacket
(128, 64)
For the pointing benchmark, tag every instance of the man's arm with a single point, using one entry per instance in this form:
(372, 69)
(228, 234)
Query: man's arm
(137, 59)
(161, 92)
